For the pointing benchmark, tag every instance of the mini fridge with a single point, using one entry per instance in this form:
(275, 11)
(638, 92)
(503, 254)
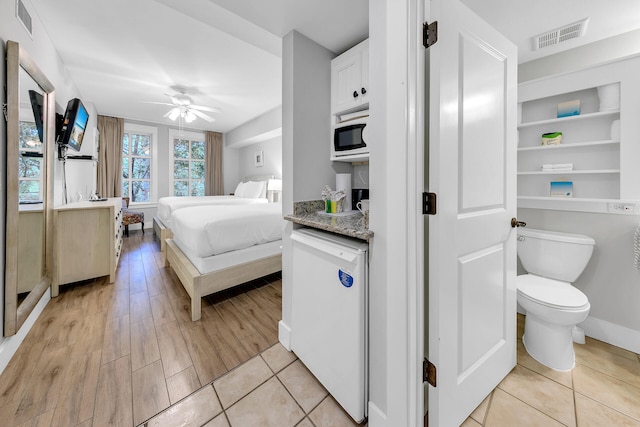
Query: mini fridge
(329, 314)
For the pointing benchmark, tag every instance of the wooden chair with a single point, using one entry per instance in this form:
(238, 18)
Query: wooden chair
(130, 217)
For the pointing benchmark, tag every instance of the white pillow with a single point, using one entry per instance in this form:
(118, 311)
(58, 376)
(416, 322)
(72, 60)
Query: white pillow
(263, 193)
(239, 189)
(252, 189)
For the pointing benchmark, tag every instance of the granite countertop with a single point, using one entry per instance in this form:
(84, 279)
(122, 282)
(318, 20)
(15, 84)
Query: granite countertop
(306, 213)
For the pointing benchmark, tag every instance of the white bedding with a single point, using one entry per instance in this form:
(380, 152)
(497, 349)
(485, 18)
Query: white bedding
(216, 229)
(166, 205)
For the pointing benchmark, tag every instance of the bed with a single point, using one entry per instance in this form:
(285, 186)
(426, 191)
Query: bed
(215, 247)
(250, 191)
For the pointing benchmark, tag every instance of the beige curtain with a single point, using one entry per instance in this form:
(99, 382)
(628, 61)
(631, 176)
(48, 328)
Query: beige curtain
(213, 184)
(111, 131)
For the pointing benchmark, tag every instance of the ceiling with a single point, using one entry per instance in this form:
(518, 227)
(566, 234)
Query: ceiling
(124, 55)
(520, 20)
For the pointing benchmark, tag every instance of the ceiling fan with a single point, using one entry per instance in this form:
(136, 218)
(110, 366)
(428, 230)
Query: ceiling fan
(184, 109)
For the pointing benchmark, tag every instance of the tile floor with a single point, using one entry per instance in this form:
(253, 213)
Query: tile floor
(602, 390)
(272, 389)
(275, 389)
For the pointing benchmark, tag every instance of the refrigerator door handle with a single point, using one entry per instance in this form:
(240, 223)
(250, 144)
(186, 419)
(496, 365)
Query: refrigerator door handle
(327, 248)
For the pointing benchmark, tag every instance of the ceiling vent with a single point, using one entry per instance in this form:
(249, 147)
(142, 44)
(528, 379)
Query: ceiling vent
(559, 35)
(23, 16)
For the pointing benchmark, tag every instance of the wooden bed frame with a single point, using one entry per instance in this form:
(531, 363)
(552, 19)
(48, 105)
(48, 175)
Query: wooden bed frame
(162, 232)
(199, 285)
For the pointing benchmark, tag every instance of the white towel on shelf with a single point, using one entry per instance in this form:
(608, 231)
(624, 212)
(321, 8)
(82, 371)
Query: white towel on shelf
(558, 166)
(636, 248)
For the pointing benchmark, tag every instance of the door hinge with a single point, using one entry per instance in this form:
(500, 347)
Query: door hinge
(5, 112)
(428, 203)
(428, 372)
(429, 34)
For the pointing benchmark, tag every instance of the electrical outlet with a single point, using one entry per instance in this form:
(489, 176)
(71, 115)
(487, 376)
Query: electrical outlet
(622, 208)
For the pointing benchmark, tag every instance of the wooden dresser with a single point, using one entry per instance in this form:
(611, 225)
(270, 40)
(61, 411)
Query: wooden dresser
(87, 241)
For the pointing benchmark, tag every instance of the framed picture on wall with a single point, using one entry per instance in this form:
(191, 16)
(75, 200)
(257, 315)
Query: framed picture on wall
(259, 158)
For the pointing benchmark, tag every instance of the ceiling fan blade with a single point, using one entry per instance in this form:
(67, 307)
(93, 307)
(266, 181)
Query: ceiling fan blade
(202, 115)
(159, 103)
(209, 109)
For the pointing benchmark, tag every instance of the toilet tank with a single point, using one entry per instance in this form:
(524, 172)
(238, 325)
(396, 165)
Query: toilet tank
(560, 256)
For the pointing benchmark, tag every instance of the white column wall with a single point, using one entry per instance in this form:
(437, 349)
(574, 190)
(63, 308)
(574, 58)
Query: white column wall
(306, 109)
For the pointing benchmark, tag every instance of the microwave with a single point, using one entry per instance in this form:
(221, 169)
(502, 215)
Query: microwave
(350, 135)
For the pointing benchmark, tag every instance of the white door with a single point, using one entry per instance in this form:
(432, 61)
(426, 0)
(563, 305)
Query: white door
(472, 76)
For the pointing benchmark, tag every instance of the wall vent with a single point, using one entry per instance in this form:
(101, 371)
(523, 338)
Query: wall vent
(24, 17)
(559, 35)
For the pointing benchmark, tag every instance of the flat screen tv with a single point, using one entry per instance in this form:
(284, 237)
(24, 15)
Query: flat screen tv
(74, 125)
(37, 101)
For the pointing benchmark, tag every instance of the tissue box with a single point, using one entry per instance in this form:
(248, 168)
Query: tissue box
(569, 108)
(552, 138)
(561, 189)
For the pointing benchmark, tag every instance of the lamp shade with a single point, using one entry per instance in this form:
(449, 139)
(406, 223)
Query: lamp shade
(274, 185)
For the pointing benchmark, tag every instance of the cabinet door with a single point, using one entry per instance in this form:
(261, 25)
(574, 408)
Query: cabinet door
(83, 244)
(346, 75)
(364, 75)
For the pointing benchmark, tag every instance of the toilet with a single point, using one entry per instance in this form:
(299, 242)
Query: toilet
(553, 306)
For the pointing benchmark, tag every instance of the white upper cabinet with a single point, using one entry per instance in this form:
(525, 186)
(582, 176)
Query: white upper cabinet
(596, 162)
(350, 79)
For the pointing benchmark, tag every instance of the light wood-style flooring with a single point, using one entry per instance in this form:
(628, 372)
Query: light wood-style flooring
(118, 354)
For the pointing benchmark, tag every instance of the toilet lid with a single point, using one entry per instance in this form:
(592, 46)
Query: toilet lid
(549, 292)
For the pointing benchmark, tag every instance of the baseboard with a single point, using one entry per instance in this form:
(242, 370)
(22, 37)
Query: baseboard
(284, 335)
(377, 418)
(613, 334)
(10, 345)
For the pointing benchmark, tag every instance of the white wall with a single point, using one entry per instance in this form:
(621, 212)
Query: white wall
(306, 109)
(307, 117)
(609, 281)
(262, 128)
(81, 174)
(271, 155)
(606, 50)
(43, 52)
(262, 133)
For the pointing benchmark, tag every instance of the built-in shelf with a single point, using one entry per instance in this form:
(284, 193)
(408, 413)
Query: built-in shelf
(354, 158)
(569, 118)
(571, 172)
(571, 145)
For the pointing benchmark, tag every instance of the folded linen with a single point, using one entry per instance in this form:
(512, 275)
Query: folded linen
(557, 166)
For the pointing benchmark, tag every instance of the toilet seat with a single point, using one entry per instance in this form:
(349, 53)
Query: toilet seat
(551, 293)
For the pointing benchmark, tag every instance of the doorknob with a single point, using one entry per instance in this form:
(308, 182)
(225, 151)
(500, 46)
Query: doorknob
(515, 223)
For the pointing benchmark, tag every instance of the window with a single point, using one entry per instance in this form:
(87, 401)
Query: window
(30, 164)
(187, 163)
(138, 163)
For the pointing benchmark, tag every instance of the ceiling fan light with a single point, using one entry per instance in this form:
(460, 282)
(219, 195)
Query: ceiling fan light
(189, 116)
(173, 115)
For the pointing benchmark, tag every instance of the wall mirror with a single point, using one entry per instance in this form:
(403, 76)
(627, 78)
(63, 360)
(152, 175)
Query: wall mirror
(30, 139)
